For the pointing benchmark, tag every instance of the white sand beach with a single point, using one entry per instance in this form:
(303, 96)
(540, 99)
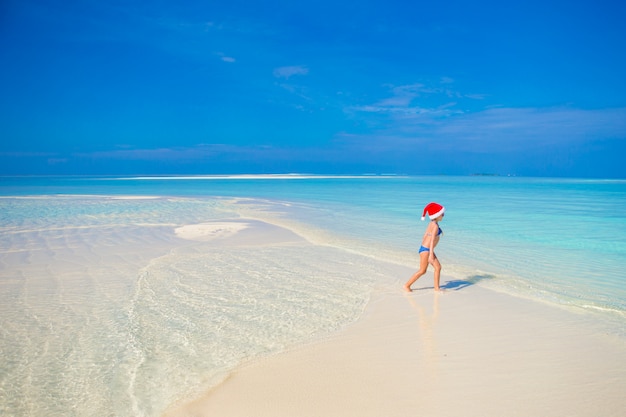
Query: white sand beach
(209, 231)
(466, 352)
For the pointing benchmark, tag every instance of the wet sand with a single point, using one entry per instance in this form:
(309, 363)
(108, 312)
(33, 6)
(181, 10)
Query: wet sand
(468, 351)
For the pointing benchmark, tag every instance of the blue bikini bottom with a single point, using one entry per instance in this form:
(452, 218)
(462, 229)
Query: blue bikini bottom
(423, 249)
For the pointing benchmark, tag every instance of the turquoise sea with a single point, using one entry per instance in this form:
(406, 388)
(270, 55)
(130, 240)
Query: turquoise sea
(129, 341)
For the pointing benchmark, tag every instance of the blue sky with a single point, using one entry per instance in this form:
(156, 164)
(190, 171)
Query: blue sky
(337, 87)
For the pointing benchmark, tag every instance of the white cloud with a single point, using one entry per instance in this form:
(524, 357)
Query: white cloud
(177, 153)
(418, 99)
(519, 128)
(287, 72)
(20, 154)
(492, 130)
(225, 57)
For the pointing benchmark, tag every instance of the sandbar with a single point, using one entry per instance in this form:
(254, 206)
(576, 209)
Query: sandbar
(209, 231)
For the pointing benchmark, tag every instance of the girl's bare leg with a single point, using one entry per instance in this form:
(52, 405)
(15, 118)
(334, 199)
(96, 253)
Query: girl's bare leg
(437, 274)
(420, 272)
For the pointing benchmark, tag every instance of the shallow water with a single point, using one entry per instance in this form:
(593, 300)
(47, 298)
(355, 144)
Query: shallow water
(106, 312)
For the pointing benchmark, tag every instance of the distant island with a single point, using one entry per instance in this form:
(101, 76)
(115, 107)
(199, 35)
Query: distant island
(491, 175)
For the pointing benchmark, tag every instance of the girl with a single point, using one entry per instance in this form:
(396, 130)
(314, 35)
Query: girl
(429, 241)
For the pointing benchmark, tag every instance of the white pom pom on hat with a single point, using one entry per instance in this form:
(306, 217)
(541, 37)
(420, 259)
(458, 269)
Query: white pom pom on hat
(433, 210)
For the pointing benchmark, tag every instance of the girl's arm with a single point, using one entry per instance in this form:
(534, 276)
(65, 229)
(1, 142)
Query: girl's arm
(433, 232)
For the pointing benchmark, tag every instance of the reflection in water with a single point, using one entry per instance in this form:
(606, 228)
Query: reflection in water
(428, 354)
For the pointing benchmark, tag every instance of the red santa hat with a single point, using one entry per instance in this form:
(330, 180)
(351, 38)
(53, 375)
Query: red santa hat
(433, 210)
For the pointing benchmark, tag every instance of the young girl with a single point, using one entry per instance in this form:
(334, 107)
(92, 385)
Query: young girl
(429, 241)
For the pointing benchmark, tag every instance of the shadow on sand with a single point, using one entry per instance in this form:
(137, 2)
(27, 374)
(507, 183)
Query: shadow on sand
(459, 284)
